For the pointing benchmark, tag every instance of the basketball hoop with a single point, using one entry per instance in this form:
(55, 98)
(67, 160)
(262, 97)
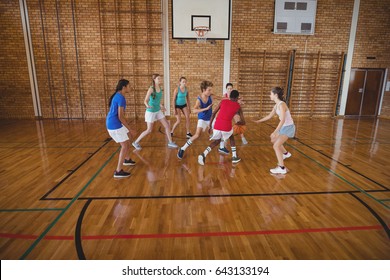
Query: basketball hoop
(201, 32)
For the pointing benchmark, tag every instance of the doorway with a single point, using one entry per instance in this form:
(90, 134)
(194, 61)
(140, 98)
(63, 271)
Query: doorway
(365, 87)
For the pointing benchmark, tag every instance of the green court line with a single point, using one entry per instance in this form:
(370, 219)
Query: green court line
(387, 199)
(52, 224)
(31, 210)
(340, 177)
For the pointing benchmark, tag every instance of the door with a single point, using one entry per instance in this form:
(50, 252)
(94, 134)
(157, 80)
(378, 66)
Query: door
(365, 86)
(355, 92)
(372, 92)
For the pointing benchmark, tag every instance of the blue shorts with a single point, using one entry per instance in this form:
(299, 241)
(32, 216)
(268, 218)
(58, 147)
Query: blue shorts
(288, 130)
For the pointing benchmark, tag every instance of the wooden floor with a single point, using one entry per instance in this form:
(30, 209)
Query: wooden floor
(60, 201)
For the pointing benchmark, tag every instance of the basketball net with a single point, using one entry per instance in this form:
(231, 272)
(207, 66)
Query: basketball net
(201, 32)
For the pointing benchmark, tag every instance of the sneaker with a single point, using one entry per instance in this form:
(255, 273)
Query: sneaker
(188, 135)
(180, 153)
(172, 145)
(244, 141)
(236, 159)
(201, 159)
(121, 174)
(136, 146)
(129, 162)
(286, 155)
(223, 151)
(278, 170)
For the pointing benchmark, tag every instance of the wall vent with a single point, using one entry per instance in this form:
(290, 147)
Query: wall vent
(293, 17)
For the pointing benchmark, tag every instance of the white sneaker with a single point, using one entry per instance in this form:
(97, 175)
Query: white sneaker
(136, 146)
(236, 159)
(244, 141)
(278, 170)
(172, 145)
(201, 159)
(286, 155)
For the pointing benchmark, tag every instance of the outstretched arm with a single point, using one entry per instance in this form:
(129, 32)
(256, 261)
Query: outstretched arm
(197, 108)
(270, 115)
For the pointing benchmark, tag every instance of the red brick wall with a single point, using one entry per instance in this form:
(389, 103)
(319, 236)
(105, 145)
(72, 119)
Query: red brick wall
(373, 40)
(81, 55)
(71, 88)
(196, 62)
(15, 91)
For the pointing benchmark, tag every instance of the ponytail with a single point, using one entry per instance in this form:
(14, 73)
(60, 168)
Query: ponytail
(110, 101)
(154, 76)
(279, 91)
(121, 84)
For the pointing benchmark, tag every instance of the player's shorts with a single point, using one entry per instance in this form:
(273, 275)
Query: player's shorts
(203, 124)
(219, 134)
(151, 117)
(180, 106)
(288, 130)
(119, 135)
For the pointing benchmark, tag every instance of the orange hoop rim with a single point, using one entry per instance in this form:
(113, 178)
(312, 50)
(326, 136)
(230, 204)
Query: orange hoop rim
(201, 31)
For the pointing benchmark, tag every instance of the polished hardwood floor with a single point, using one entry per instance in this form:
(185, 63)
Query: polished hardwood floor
(59, 199)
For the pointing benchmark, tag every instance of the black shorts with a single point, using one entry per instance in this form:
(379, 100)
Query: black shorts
(180, 106)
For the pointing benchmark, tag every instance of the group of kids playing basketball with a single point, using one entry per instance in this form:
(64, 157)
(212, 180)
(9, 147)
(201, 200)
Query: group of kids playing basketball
(218, 121)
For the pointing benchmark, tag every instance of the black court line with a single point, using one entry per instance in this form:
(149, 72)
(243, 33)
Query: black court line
(344, 165)
(58, 147)
(355, 139)
(338, 162)
(343, 145)
(77, 234)
(376, 215)
(44, 197)
(218, 195)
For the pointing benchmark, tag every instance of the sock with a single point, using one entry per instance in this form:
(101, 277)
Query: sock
(234, 151)
(208, 150)
(222, 144)
(186, 145)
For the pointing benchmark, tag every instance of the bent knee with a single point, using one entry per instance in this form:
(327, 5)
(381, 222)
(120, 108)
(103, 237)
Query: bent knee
(196, 135)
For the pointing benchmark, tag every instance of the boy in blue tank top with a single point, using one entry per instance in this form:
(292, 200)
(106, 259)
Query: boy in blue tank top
(182, 104)
(203, 106)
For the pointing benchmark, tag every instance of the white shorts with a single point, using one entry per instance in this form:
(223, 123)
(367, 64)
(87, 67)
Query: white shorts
(203, 124)
(151, 117)
(219, 134)
(119, 135)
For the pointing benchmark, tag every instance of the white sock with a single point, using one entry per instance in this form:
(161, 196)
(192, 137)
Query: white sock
(234, 151)
(222, 144)
(208, 150)
(186, 145)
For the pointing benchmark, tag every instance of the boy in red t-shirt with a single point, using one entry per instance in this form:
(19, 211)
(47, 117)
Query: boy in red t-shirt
(223, 129)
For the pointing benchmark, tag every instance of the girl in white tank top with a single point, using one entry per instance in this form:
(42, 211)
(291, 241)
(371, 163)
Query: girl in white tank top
(288, 119)
(284, 130)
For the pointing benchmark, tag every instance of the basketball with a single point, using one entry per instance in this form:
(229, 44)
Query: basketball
(239, 129)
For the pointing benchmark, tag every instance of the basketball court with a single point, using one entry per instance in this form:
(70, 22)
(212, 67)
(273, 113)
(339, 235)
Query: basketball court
(59, 200)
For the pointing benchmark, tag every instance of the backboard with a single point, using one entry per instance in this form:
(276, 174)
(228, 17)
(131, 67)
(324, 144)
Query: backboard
(214, 14)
